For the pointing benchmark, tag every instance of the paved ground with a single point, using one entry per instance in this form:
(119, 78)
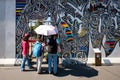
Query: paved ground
(76, 72)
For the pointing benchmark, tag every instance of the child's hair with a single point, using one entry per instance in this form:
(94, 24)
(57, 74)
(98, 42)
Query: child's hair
(39, 37)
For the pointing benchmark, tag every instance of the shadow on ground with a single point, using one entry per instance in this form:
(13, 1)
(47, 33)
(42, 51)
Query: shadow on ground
(74, 70)
(77, 70)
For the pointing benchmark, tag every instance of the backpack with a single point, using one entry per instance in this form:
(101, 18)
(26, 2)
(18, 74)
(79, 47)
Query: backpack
(52, 46)
(37, 49)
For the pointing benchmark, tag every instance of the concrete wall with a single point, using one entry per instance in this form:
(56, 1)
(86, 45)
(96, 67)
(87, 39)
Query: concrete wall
(7, 28)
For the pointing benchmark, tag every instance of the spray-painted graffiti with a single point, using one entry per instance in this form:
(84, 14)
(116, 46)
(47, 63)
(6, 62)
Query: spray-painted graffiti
(98, 18)
(87, 20)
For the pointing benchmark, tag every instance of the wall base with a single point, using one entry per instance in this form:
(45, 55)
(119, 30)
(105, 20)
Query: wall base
(105, 61)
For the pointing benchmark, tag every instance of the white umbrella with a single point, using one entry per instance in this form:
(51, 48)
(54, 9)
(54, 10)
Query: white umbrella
(46, 30)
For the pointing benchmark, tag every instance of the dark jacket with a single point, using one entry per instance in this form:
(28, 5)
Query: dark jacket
(52, 46)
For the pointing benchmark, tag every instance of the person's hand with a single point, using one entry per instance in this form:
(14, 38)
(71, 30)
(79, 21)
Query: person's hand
(43, 44)
(24, 55)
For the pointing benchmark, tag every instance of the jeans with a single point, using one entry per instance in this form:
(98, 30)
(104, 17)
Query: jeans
(24, 61)
(52, 59)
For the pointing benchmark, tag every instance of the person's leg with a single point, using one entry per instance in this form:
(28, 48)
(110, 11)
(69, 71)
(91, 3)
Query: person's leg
(39, 64)
(55, 63)
(57, 59)
(28, 63)
(49, 62)
(23, 64)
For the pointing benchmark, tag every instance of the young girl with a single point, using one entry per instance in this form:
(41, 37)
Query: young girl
(40, 58)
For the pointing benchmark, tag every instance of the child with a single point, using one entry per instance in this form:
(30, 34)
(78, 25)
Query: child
(40, 57)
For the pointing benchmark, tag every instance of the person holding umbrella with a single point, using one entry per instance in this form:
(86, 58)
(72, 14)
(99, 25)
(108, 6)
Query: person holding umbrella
(49, 30)
(52, 54)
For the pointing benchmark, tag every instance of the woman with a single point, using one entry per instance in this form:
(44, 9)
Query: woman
(52, 54)
(25, 51)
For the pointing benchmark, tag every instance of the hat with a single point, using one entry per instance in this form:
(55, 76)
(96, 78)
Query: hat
(27, 35)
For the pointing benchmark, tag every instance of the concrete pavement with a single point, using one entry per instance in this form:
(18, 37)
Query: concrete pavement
(76, 72)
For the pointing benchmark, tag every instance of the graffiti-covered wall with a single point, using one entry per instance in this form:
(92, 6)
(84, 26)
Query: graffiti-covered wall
(83, 24)
(93, 21)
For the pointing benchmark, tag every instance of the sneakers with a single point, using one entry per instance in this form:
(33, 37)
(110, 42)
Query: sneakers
(31, 67)
(38, 72)
(22, 69)
(49, 72)
(55, 73)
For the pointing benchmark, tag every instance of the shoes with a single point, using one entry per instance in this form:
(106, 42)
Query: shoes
(31, 67)
(55, 73)
(49, 72)
(38, 72)
(22, 69)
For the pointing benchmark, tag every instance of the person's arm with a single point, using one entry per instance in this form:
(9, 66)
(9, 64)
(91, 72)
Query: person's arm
(58, 45)
(47, 41)
(32, 41)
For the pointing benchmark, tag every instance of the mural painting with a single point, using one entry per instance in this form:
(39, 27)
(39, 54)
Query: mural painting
(79, 22)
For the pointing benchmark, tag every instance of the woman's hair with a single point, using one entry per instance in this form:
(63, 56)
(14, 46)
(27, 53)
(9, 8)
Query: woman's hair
(25, 38)
(52, 37)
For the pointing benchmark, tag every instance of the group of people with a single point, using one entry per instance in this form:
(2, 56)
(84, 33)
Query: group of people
(52, 48)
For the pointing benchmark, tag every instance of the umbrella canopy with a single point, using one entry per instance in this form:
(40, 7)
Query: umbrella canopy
(46, 30)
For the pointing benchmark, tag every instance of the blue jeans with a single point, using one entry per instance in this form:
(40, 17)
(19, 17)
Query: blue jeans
(24, 61)
(52, 59)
